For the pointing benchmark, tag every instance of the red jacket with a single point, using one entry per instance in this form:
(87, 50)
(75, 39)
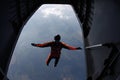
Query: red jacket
(56, 47)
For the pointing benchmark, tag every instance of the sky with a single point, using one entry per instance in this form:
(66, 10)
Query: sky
(28, 62)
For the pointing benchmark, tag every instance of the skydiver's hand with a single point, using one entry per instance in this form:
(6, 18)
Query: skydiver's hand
(78, 48)
(33, 44)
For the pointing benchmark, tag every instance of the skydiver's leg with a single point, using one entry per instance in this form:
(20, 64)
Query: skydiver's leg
(56, 61)
(48, 60)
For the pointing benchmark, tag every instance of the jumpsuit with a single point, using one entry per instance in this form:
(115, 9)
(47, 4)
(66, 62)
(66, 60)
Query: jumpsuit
(56, 48)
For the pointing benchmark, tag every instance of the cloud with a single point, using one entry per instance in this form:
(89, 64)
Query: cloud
(57, 11)
(25, 77)
(67, 78)
(22, 77)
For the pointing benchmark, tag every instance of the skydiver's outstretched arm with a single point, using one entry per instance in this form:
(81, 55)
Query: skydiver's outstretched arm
(42, 45)
(66, 46)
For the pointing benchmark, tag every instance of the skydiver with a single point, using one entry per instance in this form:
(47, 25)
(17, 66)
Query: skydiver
(56, 47)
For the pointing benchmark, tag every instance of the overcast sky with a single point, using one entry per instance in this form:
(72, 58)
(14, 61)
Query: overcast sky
(28, 62)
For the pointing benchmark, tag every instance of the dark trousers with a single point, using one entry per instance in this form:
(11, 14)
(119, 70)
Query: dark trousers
(50, 58)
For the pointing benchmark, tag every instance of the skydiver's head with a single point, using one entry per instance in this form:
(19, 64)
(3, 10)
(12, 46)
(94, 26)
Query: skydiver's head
(57, 37)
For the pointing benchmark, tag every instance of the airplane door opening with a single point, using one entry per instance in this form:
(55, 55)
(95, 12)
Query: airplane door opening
(28, 62)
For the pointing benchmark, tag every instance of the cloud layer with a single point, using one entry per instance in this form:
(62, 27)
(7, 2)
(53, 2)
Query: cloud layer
(57, 11)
